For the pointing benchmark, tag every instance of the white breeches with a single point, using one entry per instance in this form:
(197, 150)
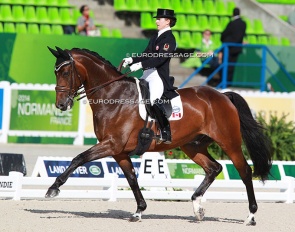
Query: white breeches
(155, 84)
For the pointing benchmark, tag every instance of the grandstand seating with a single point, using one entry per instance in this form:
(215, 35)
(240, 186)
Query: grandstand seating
(193, 16)
(21, 28)
(196, 16)
(277, 1)
(45, 29)
(9, 28)
(285, 41)
(1, 27)
(33, 28)
(116, 33)
(42, 17)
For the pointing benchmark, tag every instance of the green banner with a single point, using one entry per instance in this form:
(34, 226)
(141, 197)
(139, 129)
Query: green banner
(289, 170)
(187, 171)
(35, 110)
(25, 58)
(234, 175)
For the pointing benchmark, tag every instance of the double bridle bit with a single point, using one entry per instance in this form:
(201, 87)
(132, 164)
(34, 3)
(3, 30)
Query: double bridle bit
(72, 94)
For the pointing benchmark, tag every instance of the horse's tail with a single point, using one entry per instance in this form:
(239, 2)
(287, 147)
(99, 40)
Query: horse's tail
(257, 143)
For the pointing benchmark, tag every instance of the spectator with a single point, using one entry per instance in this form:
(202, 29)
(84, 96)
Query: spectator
(85, 24)
(207, 48)
(233, 33)
(202, 53)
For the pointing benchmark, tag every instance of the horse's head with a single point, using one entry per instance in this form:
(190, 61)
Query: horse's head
(67, 79)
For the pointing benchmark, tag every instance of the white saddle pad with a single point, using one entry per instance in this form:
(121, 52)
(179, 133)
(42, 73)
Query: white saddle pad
(177, 109)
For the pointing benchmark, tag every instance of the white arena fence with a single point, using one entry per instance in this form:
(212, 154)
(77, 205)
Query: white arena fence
(17, 187)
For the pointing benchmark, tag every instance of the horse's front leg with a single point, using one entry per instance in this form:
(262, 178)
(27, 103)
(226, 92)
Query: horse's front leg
(98, 151)
(126, 165)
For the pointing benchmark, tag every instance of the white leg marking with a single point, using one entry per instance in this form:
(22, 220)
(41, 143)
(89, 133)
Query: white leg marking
(137, 215)
(250, 221)
(198, 209)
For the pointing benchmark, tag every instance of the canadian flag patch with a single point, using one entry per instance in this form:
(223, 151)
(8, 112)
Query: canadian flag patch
(176, 112)
(176, 115)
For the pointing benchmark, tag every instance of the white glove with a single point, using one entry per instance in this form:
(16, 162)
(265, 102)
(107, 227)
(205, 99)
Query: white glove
(127, 61)
(135, 67)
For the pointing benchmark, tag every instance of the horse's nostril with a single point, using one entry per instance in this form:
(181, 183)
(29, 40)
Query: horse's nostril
(60, 106)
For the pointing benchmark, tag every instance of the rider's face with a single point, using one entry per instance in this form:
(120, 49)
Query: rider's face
(162, 23)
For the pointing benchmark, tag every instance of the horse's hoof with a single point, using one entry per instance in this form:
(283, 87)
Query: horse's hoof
(250, 221)
(52, 192)
(200, 214)
(135, 218)
(199, 211)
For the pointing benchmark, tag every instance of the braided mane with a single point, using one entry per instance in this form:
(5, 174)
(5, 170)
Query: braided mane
(98, 56)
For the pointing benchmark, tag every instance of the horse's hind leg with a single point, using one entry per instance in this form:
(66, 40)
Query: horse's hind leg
(126, 165)
(245, 173)
(197, 151)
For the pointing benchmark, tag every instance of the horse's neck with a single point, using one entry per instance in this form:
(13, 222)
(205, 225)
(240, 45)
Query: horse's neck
(117, 93)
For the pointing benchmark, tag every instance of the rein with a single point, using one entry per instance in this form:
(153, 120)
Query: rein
(96, 88)
(73, 94)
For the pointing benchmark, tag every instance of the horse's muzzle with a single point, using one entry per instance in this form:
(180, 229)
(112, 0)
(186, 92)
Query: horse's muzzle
(63, 106)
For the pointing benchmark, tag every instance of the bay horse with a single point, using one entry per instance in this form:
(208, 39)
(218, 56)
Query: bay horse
(208, 116)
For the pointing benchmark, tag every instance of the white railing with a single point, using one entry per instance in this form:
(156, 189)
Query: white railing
(111, 188)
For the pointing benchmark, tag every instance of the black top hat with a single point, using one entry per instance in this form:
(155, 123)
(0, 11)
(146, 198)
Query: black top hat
(165, 13)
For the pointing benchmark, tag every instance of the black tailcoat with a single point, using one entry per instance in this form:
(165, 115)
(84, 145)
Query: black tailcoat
(157, 55)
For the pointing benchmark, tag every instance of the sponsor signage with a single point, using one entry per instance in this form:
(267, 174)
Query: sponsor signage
(6, 184)
(289, 169)
(35, 110)
(92, 169)
(54, 166)
(181, 170)
(272, 105)
(234, 175)
(1, 106)
(113, 167)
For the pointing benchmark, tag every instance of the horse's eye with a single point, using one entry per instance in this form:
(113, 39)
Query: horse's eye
(65, 74)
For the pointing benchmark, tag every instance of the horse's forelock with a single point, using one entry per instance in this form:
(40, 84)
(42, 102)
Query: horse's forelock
(59, 60)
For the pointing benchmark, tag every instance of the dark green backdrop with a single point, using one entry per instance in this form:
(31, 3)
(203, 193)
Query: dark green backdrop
(26, 59)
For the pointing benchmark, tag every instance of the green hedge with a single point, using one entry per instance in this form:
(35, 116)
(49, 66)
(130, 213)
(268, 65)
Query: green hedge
(280, 132)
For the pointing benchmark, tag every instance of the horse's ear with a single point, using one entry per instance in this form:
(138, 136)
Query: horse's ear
(55, 53)
(62, 52)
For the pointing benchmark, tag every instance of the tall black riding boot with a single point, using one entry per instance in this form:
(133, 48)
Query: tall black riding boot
(163, 124)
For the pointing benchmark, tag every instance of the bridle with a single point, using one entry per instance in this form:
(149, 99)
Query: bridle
(72, 93)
